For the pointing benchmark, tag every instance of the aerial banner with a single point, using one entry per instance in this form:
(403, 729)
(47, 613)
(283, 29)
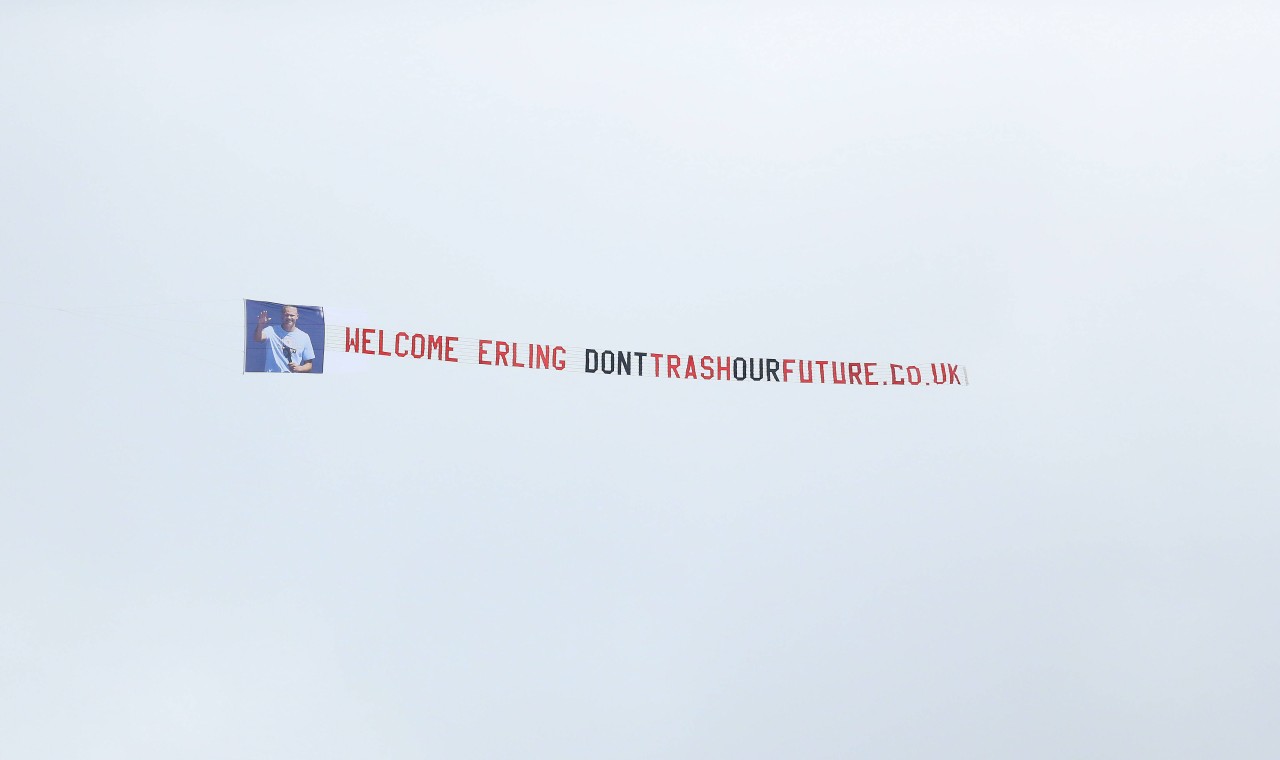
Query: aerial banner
(409, 345)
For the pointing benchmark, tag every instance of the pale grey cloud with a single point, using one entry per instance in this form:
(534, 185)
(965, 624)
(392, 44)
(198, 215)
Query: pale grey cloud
(1069, 557)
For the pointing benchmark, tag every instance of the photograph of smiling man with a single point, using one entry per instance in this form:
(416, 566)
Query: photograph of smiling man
(279, 338)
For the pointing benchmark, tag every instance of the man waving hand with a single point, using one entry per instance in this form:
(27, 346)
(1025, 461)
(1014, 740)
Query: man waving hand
(290, 348)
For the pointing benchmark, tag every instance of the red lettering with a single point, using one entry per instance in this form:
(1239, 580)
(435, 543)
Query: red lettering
(381, 350)
(690, 371)
(435, 347)
(544, 357)
(480, 355)
(673, 365)
(893, 374)
(557, 357)
(786, 369)
(353, 340)
(500, 351)
(708, 368)
(448, 349)
(855, 374)
(515, 355)
(367, 339)
(724, 368)
(400, 335)
(822, 371)
(657, 364)
(839, 379)
(868, 370)
(418, 346)
(802, 366)
(951, 368)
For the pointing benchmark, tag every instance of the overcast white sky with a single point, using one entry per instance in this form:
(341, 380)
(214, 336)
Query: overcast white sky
(1075, 556)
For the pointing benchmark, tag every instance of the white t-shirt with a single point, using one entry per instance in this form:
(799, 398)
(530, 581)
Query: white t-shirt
(283, 345)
